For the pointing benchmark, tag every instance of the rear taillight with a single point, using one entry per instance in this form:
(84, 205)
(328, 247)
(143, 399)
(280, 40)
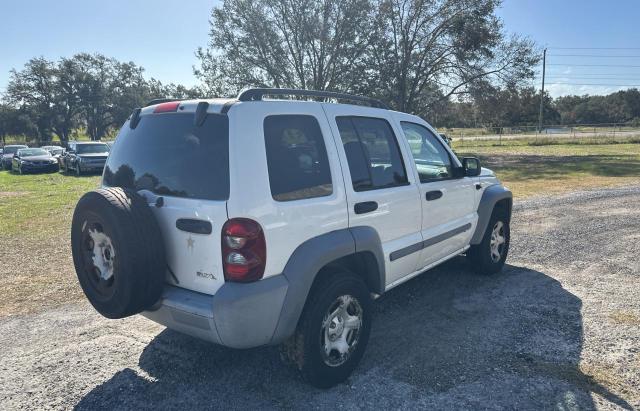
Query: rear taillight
(244, 251)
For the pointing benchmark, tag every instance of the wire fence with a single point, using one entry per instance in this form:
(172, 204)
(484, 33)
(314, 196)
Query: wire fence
(557, 133)
(554, 134)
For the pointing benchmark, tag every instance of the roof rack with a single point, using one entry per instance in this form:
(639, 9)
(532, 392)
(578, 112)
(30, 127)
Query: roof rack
(161, 100)
(257, 94)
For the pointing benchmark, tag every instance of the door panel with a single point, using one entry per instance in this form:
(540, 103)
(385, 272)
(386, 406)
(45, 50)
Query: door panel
(448, 202)
(373, 166)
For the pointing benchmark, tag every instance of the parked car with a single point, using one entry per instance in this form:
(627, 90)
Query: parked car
(7, 155)
(54, 150)
(34, 160)
(250, 222)
(85, 157)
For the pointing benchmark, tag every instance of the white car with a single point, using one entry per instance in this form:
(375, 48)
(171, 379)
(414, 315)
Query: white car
(265, 220)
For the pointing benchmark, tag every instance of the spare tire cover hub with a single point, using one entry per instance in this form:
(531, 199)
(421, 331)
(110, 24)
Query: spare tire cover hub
(103, 253)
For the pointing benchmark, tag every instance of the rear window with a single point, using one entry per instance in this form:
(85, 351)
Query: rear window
(12, 149)
(296, 158)
(167, 155)
(92, 148)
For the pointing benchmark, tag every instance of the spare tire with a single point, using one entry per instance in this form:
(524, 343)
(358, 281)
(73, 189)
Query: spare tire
(118, 252)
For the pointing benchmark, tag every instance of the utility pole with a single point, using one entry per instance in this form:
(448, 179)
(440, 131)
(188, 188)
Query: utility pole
(544, 68)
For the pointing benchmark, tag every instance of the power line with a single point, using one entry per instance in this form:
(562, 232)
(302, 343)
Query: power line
(596, 84)
(594, 48)
(594, 74)
(591, 55)
(592, 78)
(590, 65)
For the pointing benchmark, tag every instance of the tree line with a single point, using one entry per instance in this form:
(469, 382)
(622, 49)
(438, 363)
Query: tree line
(88, 91)
(449, 61)
(510, 107)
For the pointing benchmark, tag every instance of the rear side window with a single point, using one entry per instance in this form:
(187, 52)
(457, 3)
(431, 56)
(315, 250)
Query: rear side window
(168, 155)
(372, 153)
(296, 158)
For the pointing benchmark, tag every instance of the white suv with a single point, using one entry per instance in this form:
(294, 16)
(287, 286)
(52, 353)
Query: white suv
(267, 219)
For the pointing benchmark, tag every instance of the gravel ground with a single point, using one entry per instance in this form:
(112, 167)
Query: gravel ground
(559, 328)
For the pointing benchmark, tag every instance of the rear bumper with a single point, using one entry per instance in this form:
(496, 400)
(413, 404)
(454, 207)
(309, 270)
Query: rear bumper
(237, 316)
(88, 167)
(47, 168)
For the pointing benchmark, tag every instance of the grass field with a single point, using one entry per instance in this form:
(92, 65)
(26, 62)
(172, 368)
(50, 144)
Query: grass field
(36, 270)
(551, 169)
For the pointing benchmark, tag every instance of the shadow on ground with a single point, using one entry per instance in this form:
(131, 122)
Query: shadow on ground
(447, 339)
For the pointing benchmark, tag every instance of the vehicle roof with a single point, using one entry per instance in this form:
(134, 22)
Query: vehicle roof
(32, 148)
(88, 142)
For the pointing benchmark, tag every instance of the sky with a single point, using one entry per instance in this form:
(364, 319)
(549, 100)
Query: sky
(162, 36)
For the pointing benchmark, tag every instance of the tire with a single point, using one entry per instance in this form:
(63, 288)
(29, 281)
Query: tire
(305, 349)
(484, 259)
(118, 252)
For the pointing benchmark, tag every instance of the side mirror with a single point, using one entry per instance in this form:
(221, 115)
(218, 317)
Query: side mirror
(471, 166)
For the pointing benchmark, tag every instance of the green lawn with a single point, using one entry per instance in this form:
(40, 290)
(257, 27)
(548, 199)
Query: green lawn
(540, 170)
(42, 200)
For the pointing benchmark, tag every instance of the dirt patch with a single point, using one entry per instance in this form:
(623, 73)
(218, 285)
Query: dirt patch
(625, 317)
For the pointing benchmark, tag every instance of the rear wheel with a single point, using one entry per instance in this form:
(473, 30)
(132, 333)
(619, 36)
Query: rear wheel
(489, 256)
(333, 330)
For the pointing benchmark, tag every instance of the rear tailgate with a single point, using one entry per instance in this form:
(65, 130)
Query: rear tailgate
(182, 168)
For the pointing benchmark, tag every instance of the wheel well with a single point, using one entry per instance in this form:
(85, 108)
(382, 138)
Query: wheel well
(363, 264)
(504, 207)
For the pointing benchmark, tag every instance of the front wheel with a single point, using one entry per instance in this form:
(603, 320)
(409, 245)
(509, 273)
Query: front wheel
(489, 256)
(333, 330)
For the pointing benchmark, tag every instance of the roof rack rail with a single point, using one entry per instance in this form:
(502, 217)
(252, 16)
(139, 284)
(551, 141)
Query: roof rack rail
(257, 94)
(161, 100)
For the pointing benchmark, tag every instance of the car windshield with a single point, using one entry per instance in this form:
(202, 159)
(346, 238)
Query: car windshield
(28, 152)
(92, 148)
(12, 149)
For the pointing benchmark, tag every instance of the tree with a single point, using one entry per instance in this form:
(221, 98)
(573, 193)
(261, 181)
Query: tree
(109, 91)
(15, 122)
(33, 89)
(308, 44)
(434, 49)
(412, 53)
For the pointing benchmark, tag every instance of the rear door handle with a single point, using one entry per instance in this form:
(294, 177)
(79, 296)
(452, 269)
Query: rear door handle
(365, 207)
(433, 195)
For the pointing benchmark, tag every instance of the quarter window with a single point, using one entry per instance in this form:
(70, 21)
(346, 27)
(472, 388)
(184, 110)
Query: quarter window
(372, 153)
(296, 158)
(432, 159)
